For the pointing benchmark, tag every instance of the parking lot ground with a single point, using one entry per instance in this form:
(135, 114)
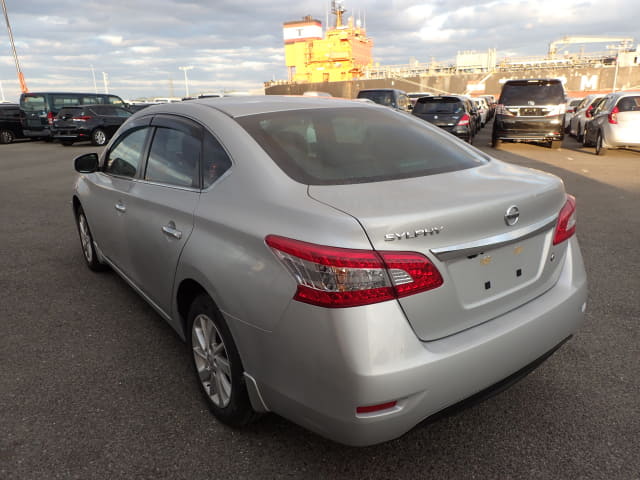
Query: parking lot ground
(94, 384)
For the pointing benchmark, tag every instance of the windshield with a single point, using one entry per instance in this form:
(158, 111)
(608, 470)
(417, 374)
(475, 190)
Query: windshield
(532, 93)
(356, 145)
(438, 105)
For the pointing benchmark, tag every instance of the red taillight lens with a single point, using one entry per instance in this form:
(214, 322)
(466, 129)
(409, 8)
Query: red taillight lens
(82, 118)
(588, 112)
(50, 118)
(338, 277)
(464, 120)
(566, 226)
(613, 116)
(376, 408)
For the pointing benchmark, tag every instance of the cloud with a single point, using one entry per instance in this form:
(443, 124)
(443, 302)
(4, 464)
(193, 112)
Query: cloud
(239, 44)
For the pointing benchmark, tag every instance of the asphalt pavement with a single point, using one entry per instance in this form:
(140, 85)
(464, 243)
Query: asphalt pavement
(94, 384)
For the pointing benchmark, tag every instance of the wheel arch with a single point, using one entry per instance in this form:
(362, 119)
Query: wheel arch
(186, 293)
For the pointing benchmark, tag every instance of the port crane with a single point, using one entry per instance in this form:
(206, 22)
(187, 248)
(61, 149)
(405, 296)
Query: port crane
(23, 83)
(624, 42)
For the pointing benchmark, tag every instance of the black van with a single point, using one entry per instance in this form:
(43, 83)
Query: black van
(10, 123)
(40, 108)
(530, 110)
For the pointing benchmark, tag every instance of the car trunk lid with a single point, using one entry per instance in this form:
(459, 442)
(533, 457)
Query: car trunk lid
(460, 221)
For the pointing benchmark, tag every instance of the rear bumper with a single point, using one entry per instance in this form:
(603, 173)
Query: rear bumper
(63, 134)
(528, 128)
(40, 133)
(325, 364)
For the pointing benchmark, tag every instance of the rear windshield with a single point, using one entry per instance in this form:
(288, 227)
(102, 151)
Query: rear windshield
(379, 96)
(356, 145)
(33, 103)
(109, 110)
(629, 104)
(532, 93)
(438, 105)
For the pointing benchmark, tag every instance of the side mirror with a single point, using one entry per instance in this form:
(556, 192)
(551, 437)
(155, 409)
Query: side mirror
(87, 163)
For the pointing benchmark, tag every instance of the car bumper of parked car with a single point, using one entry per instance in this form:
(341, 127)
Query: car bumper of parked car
(622, 137)
(370, 356)
(528, 128)
(71, 135)
(462, 132)
(41, 133)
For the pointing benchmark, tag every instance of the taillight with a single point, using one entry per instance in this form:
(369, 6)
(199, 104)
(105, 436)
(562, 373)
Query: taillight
(82, 118)
(50, 118)
(335, 277)
(566, 226)
(464, 120)
(588, 112)
(613, 116)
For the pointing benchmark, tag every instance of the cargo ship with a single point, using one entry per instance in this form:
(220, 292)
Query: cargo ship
(339, 61)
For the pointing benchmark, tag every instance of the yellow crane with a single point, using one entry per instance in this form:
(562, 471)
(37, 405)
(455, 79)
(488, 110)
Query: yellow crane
(23, 83)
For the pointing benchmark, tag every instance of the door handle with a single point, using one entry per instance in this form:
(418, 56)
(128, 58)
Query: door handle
(170, 230)
(120, 207)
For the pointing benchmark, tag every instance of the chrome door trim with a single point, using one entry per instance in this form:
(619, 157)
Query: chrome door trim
(478, 246)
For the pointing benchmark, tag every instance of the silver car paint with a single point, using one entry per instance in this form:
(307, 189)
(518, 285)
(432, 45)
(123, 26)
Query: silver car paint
(315, 365)
(626, 133)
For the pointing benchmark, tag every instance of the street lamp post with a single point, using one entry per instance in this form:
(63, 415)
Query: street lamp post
(186, 80)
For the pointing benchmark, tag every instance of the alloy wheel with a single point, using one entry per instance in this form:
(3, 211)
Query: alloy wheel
(85, 237)
(211, 360)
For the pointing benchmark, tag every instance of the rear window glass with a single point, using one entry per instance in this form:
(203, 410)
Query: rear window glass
(356, 145)
(33, 103)
(532, 93)
(629, 104)
(110, 110)
(438, 105)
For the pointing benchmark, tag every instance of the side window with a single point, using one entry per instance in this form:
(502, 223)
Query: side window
(215, 161)
(125, 158)
(174, 158)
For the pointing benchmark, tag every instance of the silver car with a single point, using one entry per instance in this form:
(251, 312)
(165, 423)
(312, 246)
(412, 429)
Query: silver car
(351, 268)
(615, 123)
(582, 115)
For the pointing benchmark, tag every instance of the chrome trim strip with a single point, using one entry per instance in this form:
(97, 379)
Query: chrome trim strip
(478, 246)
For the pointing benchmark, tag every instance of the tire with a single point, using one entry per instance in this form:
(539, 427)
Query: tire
(86, 241)
(585, 141)
(217, 364)
(580, 134)
(496, 142)
(6, 136)
(99, 137)
(600, 145)
(555, 144)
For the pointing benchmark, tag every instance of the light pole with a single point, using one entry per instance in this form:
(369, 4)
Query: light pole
(95, 85)
(186, 80)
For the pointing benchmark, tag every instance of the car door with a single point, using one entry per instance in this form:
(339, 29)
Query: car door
(105, 202)
(160, 207)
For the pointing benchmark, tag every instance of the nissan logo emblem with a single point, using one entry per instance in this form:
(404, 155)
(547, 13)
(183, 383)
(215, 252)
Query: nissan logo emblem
(512, 215)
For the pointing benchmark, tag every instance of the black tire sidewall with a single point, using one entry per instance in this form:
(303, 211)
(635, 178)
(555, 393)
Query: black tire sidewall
(238, 412)
(6, 137)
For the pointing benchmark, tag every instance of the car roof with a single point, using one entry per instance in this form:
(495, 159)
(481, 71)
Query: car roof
(243, 106)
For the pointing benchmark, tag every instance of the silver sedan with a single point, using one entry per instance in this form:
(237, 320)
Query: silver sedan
(351, 268)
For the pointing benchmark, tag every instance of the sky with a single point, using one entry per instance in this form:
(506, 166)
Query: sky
(237, 45)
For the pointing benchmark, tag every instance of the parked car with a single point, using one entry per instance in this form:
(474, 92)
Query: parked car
(582, 114)
(389, 97)
(96, 123)
(572, 105)
(449, 112)
(483, 110)
(347, 267)
(40, 108)
(615, 123)
(530, 110)
(10, 122)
